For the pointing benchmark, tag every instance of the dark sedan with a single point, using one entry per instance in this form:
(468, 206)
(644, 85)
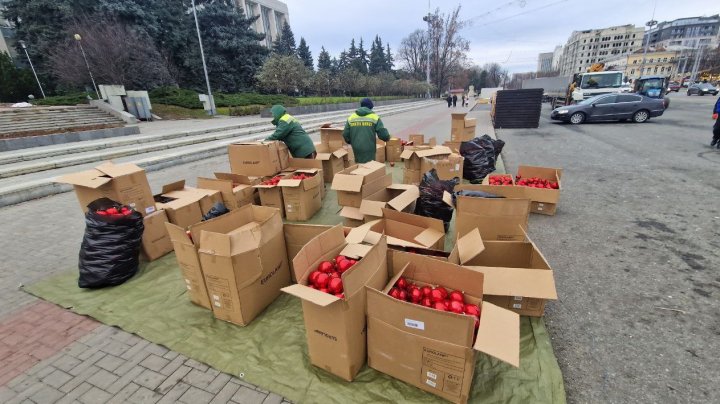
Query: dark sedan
(702, 89)
(611, 107)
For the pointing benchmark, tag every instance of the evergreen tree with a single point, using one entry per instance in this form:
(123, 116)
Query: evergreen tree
(285, 42)
(343, 62)
(390, 61)
(324, 62)
(361, 61)
(378, 61)
(303, 52)
(351, 54)
(15, 84)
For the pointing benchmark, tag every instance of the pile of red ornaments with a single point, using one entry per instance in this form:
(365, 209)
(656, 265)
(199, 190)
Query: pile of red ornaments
(437, 298)
(272, 181)
(500, 180)
(302, 176)
(536, 182)
(327, 277)
(115, 212)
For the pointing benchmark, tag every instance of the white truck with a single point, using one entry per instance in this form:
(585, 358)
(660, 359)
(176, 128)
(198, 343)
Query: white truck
(567, 90)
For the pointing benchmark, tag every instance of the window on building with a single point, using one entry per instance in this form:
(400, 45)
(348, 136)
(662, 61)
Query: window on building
(633, 35)
(651, 60)
(632, 71)
(662, 69)
(664, 59)
(656, 69)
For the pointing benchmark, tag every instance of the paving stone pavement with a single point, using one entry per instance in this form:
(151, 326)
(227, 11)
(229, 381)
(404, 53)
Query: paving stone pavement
(85, 361)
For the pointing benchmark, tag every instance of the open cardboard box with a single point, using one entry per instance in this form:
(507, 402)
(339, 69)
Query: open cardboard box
(399, 197)
(296, 164)
(402, 229)
(332, 137)
(359, 181)
(430, 349)
(447, 167)
(335, 327)
(258, 159)
(393, 150)
(352, 217)
(517, 275)
(271, 195)
(155, 239)
(413, 155)
(185, 206)
(123, 183)
(462, 129)
(237, 190)
(333, 161)
(544, 201)
(302, 198)
(244, 261)
(496, 218)
(418, 139)
(296, 236)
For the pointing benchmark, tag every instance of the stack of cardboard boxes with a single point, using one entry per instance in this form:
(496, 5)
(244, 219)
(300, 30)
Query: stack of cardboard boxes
(331, 151)
(462, 129)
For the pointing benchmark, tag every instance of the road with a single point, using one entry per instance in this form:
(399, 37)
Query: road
(635, 247)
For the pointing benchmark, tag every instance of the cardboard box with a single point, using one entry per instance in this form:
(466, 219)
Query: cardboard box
(496, 218)
(413, 155)
(123, 183)
(335, 328)
(208, 198)
(350, 157)
(447, 168)
(486, 180)
(333, 161)
(517, 275)
(296, 236)
(155, 239)
(352, 217)
(435, 350)
(402, 229)
(258, 159)
(544, 201)
(332, 137)
(302, 198)
(181, 204)
(462, 129)
(236, 190)
(361, 180)
(271, 196)
(419, 140)
(316, 164)
(380, 151)
(399, 197)
(244, 261)
(453, 146)
(393, 150)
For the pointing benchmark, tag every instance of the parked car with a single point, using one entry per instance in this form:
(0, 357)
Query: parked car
(674, 86)
(702, 89)
(626, 88)
(611, 107)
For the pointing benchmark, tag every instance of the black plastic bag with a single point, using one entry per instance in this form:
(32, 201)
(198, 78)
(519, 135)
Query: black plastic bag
(218, 209)
(430, 203)
(480, 156)
(110, 250)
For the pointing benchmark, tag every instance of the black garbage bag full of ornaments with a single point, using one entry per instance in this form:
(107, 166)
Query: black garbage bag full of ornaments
(110, 250)
(431, 203)
(480, 155)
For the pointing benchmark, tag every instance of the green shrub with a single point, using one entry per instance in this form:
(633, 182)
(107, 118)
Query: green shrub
(189, 99)
(246, 110)
(67, 99)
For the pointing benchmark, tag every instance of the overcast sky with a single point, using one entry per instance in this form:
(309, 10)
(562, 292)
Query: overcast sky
(504, 31)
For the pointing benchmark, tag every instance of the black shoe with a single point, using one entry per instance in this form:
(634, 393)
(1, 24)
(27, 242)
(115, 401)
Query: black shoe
(714, 142)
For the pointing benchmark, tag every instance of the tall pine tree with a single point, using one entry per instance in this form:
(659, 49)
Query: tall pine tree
(303, 52)
(362, 59)
(285, 42)
(324, 62)
(390, 61)
(378, 62)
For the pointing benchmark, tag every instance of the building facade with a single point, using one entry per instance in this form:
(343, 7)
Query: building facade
(658, 63)
(557, 57)
(272, 15)
(545, 62)
(584, 48)
(691, 32)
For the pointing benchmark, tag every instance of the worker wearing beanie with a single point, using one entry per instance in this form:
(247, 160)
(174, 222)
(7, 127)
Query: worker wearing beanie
(361, 129)
(289, 131)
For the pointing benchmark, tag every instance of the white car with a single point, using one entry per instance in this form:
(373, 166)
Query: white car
(626, 88)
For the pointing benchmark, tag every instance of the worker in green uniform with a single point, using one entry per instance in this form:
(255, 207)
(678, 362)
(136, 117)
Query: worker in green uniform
(289, 131)
(361, 129)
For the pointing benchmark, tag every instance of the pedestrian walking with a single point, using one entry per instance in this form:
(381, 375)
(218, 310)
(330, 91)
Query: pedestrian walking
(289, 131)
(360, 131)
(463, 100)
(454, 100)
(449, 100)
(716, 128)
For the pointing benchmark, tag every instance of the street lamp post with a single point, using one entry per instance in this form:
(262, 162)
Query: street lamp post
(429, 19)
(22, 44)
(78, 38)
(202, 55)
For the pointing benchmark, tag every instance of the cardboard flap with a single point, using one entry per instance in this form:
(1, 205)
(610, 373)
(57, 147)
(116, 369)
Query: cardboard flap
(178, 234)
(117, 170)
(340, 153)
(356, 251)
(372, 208)
(428, 237)
(368, 168)
(348, 183)
(470, 122)
(351, 213)
(235, 178)
(447, 198)
(524, 282)
(89, 179)
(470, 246)
(411, 193)
(289, 183)
(406, 154)
(225, 186)
(323, 156)
(357, 235)
(310, 295)
(499, 334)
(173, 186)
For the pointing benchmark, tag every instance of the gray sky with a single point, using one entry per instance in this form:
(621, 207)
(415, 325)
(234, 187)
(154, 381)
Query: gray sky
(504, 31)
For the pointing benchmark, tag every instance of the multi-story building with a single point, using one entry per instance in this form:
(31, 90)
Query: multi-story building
(584, 48)
(272, 15)
(557, 56)
(691, 32)
(657, 63)
(545, 62)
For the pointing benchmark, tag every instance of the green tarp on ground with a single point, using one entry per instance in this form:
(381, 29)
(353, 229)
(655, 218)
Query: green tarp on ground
(271, 351)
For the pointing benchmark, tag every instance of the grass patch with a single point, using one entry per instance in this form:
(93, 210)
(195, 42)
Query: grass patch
(340, 100)
(67, 99)
(174, 112)
(189, 98)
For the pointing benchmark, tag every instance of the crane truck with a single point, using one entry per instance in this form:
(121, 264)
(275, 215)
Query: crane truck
(566, 90)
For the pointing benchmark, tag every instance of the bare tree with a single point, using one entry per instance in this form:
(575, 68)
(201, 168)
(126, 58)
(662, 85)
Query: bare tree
(117, 54)
(412, 53)
(448, 47)
(496, 75)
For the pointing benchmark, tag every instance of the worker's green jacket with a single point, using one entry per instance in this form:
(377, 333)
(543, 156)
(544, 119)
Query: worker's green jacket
(360, 130)
(291, 132)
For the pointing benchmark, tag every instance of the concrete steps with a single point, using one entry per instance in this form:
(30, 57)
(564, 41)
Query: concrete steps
(38, 119)
(22, 180)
